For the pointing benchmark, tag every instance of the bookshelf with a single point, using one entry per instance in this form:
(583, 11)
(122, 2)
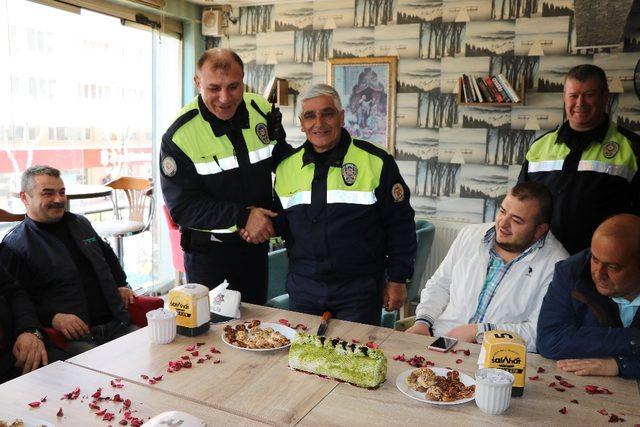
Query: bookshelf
(520, 93)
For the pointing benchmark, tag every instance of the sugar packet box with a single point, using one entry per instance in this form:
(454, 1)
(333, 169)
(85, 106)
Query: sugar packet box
(505, 350)
(191, 304)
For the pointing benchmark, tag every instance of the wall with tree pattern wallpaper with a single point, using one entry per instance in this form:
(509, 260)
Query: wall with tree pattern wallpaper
(458, 161)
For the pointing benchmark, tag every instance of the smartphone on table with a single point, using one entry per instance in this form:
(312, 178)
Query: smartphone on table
(443, 344)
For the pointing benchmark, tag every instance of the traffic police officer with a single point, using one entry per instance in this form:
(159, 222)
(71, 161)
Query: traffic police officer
(589, 163)
(216, 162)
(349, 224)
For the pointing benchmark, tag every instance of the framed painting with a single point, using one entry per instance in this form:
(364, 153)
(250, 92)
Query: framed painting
(367, 88)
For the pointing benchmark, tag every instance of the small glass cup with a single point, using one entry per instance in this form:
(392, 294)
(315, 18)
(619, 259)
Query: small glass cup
(162, 325)
(493, 390)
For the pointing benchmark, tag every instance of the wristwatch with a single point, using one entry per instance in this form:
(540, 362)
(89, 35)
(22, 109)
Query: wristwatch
(37, 333)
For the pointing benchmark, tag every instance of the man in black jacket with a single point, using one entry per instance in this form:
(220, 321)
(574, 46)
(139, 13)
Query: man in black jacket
(72, 276)
(19, 326)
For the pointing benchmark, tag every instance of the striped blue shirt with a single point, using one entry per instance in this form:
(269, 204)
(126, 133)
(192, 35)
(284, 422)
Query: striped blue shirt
(496, 271)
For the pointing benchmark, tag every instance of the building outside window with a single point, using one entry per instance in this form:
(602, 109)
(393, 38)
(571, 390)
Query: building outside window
(77, 93)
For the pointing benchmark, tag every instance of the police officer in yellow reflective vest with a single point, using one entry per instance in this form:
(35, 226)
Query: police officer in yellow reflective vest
(350, 230)
(216, 162)
(590, 164)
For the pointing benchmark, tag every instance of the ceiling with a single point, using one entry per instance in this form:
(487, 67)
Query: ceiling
(244, 2)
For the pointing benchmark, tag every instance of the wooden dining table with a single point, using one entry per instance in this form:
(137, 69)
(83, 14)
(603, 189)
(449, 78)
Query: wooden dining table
(258, 387)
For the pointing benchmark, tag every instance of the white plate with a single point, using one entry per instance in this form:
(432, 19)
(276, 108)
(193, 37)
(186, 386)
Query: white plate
(404, 388)
(28, 421)
(284, 330)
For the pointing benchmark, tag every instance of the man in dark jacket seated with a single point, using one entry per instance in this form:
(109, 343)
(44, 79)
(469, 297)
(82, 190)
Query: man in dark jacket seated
(72, 276)
(589, 319)
(19, 326)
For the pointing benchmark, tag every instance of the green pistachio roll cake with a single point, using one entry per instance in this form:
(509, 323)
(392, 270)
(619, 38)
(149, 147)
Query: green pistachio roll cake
(352, 363)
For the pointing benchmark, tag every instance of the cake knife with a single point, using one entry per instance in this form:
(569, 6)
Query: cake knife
(323, 323)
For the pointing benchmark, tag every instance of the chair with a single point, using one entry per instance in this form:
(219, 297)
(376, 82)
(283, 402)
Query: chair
(137, 311)
(6, 216)
(425, 232)
(277, 295)
(177, 254)
(140, 197)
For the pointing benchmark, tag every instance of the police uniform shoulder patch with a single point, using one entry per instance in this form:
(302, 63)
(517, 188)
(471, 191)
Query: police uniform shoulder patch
(263, 133)
(169, 166)
(610, 149)
(397, 191)
(349, 173)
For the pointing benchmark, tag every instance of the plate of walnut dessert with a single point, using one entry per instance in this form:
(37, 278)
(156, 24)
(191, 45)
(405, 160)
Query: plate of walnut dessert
(258, 336)
(439, 386)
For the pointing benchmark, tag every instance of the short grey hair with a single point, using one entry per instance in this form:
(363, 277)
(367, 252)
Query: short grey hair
(27, 180)
(317, 90)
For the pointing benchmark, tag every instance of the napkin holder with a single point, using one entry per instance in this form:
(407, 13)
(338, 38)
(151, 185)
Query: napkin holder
(191, 303)
(505, 350)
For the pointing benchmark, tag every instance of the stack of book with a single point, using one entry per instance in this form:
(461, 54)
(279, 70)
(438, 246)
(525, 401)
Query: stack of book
(488, 89)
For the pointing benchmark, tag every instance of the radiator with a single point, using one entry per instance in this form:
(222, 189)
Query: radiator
(446, 232)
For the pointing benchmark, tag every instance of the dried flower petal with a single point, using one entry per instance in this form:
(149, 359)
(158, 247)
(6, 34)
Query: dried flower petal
(215, 362)
(594, 389)
(201, 360)
(200, 343)
(93, 405)
(540, 370)
(44, 399)
(534, 378)
(559, 389)
(34, 404)
(214, 350)
(185, 357)
(60, 413)
(101, 413)
(97, 394)
(458, 361)
(372, 344)
(152, 381)
(615, 419)
(603, 412)
(191, 347)
(301, 326)
(563, 410)
(117, 398)
(574, 401)
(195, 353)
(144, 377)
(108, 416)
(284, 322)
(158, 378)
(552, 384)
(558, 377)
(400, 358)
(126, 403)
(123, 422)
(566, 384)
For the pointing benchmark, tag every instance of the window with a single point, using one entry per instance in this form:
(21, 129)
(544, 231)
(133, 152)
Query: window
(77, 93)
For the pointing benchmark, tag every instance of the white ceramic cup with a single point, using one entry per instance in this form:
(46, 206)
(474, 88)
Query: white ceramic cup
(493, 390)
(162, 325)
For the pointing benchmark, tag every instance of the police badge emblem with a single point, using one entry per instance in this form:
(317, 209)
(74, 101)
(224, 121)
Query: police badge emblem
(610, 149)
(263, 133)
(169, 166)
(397, 191)
(349, 173)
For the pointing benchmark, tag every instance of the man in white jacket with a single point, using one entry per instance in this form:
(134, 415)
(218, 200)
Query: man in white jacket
(495, 274)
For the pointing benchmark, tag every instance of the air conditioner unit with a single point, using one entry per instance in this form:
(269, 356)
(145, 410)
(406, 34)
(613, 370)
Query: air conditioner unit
(214, 22)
